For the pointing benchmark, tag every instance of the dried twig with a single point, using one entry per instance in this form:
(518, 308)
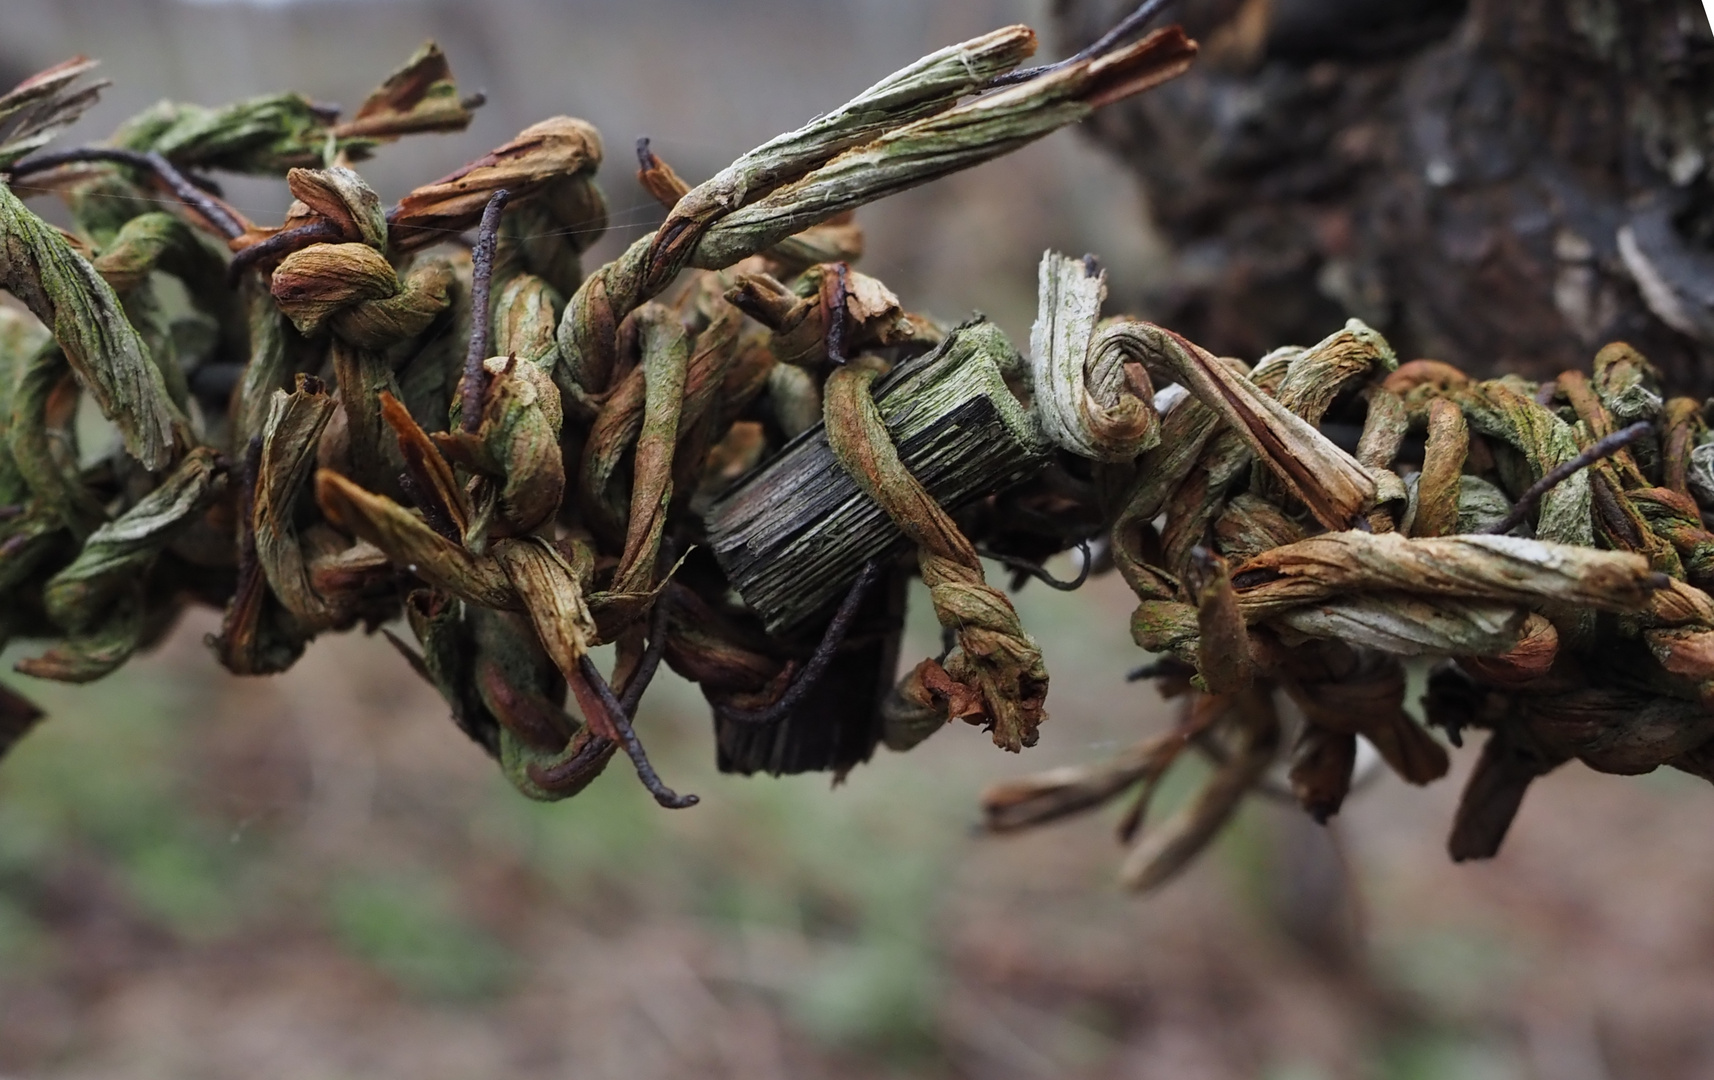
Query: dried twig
(1602, 448)
(825, 650)
(192, 193)
(475, 385)
(664, 795)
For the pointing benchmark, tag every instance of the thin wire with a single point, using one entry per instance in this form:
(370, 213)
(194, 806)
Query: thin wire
(1039, 572)
(1604, 448)
(812, 672)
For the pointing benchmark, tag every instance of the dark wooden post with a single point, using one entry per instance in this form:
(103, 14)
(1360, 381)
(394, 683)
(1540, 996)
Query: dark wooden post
(792, 536)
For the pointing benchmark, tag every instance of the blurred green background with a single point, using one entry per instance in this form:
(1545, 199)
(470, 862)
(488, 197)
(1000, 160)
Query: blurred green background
(317, 876)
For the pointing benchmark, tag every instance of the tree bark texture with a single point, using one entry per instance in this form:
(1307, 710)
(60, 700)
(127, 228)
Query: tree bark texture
(1502, 184)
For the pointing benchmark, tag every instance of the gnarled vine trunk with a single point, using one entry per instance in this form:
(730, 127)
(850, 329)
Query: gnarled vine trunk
(1502, 184)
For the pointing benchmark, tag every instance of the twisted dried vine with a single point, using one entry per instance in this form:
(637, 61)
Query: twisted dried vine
(525, 462)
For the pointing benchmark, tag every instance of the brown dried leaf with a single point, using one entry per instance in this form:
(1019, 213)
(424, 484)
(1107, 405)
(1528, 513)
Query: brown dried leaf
(1083, 397)
(1530, 659)
(421, 96)
(1223, 644)
(289, 438)
(413, 545)
(37, 108)
(1325, 478)
(1028, 801)
(1442, 466)
(1321, 765)
(554, 148)
(340, 196)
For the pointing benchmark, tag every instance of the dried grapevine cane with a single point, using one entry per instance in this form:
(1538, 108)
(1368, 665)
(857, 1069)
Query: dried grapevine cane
(1323, 618)
(444, 398)
(351, 354)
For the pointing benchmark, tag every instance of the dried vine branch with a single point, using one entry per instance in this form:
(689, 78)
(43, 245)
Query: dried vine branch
(728, 449)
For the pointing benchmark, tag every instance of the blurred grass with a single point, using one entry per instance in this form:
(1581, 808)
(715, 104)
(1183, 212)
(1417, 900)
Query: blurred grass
(855, 879)
(1449, 1056)
(106, 779)
(408, 928)
(336, 806)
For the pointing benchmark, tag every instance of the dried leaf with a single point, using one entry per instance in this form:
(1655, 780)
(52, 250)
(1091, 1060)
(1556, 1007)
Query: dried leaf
(1438, 490)
(120, 552)
(289, 438)
(420, 97)
(1327, 480)
(263, 135)
(342, 198)
(444, 504)
(35, 110)
(413, 545)
(63, 290)
(977, 130)
(541, 153)
(666, 363)
(1403, 625)
(353, 290)
(1025, 802)
(1169, 848)
(97, 650)
(1223, 644)
(526, 321)
(517, 443)
(1493, 794)
(924, 88)
(1321, 764)
(1530, 659)
(1367, 698)
(1498, 410)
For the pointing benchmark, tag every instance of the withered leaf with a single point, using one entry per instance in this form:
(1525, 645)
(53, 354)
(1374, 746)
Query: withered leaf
(979, 129)
(1330, 482)
(293, 428)
(62, 289)
(413, 545)
(1404, 625)
(1028, 801)
(35, 110)
(557, 147)
(120, 551)
(1083, 398)
(421, 96)
(97, 650)
(1169, 847)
